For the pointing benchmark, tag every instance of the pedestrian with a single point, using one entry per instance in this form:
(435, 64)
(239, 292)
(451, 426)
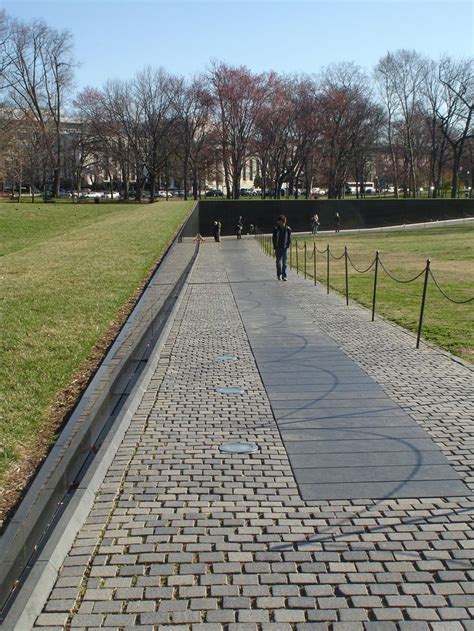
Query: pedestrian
(281, 243)
(315, 224)
(239, 227)
(337, 222)
(217, 231)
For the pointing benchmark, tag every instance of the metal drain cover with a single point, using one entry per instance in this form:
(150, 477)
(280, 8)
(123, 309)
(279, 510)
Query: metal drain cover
(239, 448)
(227, 358)
(230, 390)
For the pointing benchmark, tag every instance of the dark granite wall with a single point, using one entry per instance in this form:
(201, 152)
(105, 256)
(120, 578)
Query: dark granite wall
(364, 213)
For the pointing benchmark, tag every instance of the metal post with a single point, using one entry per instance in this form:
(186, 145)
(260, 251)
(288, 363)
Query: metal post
(296, 250)
(375, 284)
(305, 260)
(327, 272)
(423, 298)
(314, 262)
(291, 255)
(347, 276)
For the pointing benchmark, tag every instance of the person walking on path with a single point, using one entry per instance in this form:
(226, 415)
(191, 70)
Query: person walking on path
(314, 224)
(239, 227)
(337, 222)
(217, 231)
(281, 243)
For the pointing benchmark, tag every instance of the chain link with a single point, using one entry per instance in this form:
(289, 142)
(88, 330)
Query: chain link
(457, 302)
(358, 270)
(399, 280)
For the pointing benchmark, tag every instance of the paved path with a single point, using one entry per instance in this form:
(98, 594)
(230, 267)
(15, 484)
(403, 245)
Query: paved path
(181, 535)
(345, 437)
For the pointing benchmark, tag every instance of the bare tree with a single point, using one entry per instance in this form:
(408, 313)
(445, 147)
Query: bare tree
(274, 140)
(456, 109)
(403, 75)
(239, 95)
(437, 142)
(193, 104)
(346, 114)
(38, 76)
(5, 34)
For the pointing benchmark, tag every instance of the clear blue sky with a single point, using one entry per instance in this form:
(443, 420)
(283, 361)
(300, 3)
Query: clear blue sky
(115, 38)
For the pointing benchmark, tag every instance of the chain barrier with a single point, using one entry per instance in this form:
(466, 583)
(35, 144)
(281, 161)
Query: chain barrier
(358, 270)
(399, 280)
(265, 242)
(456, 302)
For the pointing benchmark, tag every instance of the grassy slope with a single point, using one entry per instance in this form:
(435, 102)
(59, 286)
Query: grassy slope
(66, 271)
(404, 254)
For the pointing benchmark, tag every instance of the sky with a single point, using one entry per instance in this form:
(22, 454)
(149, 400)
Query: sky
(117, 38)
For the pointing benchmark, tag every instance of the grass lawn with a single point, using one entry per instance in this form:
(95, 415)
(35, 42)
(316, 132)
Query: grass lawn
(404, 254)
(67, 270)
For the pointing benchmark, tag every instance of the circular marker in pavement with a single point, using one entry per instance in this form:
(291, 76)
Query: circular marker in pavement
(239, 448)
(227, 358)
(230, 390)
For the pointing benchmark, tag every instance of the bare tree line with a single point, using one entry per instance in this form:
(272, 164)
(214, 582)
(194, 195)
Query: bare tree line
(409, 124)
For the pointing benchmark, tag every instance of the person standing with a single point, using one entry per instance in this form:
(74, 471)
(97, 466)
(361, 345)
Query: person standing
(239, 227)
(337, 222)
(281, 243)
(315, 224)
(217, 231)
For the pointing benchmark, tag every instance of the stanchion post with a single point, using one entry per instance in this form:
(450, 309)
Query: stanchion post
(291, 254)
(347, 276)
(423, 299)
(296, 250)
(376, 272)
(305, 260)
(327, 271)
(314, 262)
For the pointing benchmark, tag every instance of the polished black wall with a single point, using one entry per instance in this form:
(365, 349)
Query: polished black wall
(363, 213)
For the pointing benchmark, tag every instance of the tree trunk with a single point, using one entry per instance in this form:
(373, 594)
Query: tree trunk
(185, 177)
(454, 181)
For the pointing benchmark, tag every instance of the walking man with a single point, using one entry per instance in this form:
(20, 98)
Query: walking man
(281, 243)
(337, 222)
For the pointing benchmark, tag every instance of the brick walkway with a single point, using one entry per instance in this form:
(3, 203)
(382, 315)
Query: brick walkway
(184, 536)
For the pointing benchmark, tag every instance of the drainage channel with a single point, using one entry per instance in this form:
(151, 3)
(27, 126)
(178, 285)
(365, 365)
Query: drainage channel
(23, 562)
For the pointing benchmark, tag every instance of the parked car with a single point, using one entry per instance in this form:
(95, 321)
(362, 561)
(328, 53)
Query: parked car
(214, 192)
(164, 194)
(93, 194)
(114, 195)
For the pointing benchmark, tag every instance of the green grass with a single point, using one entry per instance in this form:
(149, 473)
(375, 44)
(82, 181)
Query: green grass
(66, 272)
(404, 254)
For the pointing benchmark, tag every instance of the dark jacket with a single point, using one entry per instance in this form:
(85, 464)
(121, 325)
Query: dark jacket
(281, 237)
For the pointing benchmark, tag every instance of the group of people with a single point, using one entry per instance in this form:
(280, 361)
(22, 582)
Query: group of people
(281, 238)
(239, 228)
(315, 223)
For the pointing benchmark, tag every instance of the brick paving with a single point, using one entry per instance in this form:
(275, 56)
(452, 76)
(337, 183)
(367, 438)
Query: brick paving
(182, 536)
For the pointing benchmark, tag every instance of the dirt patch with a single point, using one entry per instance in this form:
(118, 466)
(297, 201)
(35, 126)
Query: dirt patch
(21, 474)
